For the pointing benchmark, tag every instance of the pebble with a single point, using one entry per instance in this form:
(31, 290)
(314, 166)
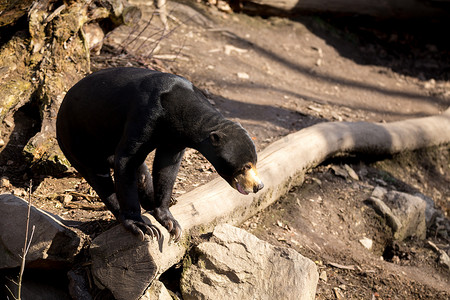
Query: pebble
(351, 172)
(323, 276)
(242, 75)
(8, 123)
(19, 192)
(338, 293)
(4, 182)
(367, 243)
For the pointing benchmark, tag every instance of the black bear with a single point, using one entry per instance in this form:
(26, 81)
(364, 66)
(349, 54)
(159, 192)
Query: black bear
(114, 118)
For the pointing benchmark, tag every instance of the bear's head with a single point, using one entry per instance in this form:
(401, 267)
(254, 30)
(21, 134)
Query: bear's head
(231, 151)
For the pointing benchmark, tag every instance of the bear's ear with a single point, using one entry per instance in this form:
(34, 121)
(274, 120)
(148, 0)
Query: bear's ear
(216, 138)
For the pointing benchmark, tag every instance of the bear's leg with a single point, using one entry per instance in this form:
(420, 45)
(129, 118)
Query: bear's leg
(103, 184)
(145, 188)
(99, 178)
(165, 168)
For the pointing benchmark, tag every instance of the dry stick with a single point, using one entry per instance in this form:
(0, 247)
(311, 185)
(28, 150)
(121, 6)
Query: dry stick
(158, 41)
(160, 31)
(27, 244)
(124, 44)
(163, 35)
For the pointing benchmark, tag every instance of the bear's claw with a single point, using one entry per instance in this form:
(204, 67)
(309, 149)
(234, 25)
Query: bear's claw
(176, 234)
(166, 219)
(140, 229)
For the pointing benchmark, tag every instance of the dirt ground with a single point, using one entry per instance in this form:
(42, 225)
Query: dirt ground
(276, 76)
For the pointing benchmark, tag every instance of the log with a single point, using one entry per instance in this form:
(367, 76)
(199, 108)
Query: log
(281, 165)
(379, 9)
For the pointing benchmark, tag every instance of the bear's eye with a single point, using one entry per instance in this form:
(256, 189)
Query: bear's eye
(247, 167)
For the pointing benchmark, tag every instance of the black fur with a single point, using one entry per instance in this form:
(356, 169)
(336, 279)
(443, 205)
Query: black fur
(114, 118)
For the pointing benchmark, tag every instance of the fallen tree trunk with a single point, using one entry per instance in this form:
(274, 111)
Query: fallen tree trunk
(379, 9)
(119, 257)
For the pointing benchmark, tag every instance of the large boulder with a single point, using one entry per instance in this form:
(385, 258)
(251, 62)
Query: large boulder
(53, 244)
(237, 265)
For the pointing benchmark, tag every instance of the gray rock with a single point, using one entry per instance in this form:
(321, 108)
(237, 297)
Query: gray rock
(237, 265)
(405, 213)
(383, 210)
(53, 243)
(430, 212)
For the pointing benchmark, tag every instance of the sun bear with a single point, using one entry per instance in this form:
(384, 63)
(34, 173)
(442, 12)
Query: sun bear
(113, 118)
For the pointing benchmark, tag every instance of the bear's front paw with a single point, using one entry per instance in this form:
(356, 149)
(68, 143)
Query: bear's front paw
(166, 219)
(138, 227)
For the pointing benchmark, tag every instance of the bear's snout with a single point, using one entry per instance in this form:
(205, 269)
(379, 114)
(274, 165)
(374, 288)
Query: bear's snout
(248, 181)
(258, 187)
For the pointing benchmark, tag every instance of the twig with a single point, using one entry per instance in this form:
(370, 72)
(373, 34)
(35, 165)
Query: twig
(339, 266)
(54, 13)
(88, 197)
(27, 244)
(124, 44)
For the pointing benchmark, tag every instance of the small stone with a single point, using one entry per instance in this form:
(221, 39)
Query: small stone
(224, 6)
(444, 259)
(338, 293)
(323, 276)
(19, 192)
(351, 172)
(230, 48)
(339, 171)
(313, 108)
(4, 182)
(242, 75)
(367, 243)
(8, 123)
(429, 84)
(316, 180)
(67, 198)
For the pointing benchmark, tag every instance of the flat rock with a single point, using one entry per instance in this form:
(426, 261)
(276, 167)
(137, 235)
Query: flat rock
(53, 243)
(235, 264)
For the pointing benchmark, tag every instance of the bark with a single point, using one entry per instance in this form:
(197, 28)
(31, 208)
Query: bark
(12, 10)
(281, 165)
(43, 61)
